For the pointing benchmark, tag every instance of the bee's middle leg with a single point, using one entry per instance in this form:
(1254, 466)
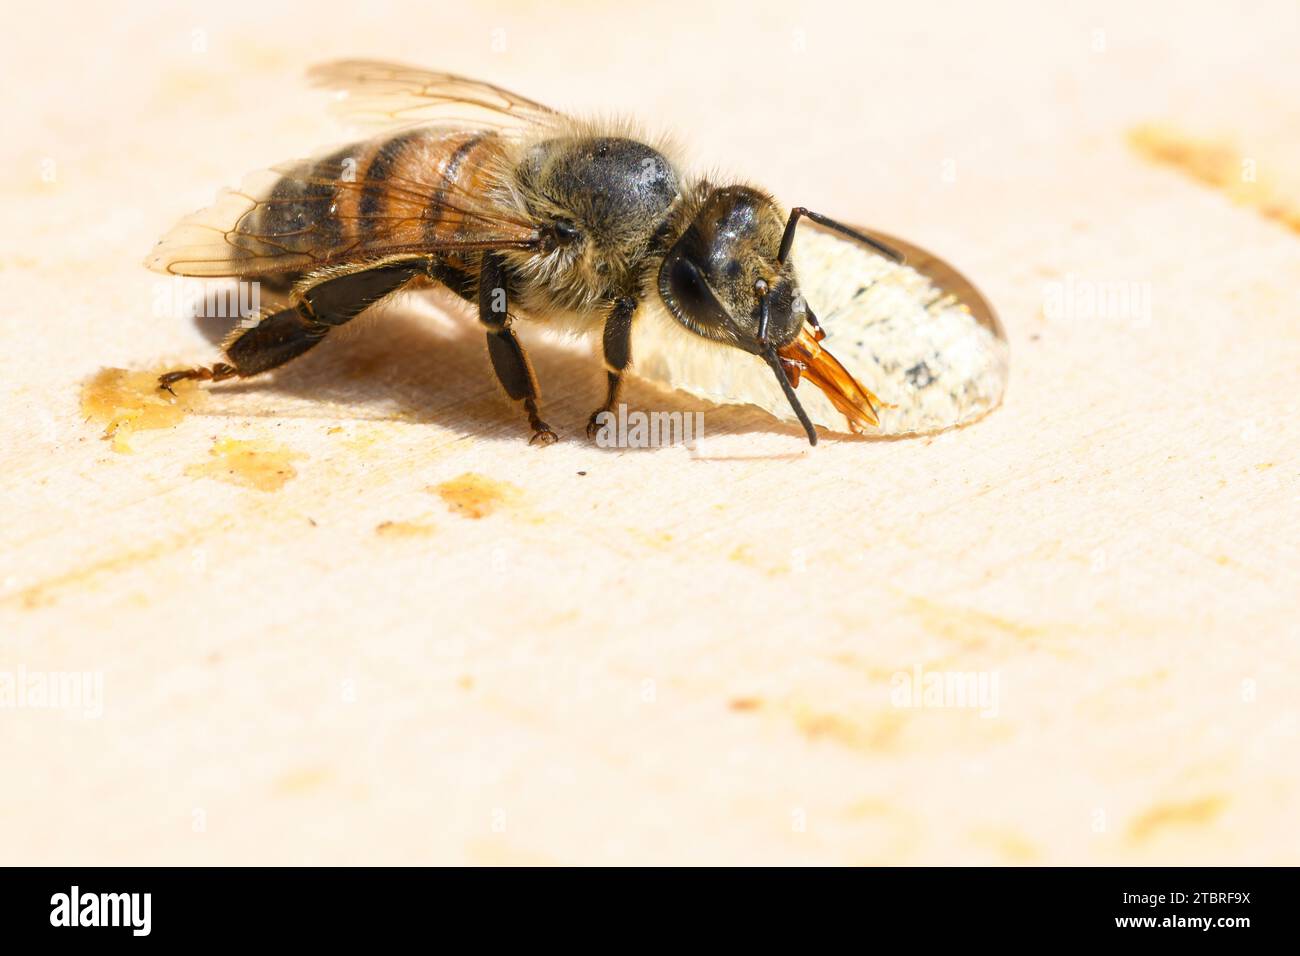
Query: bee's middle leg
(617, 347)
(508, 358)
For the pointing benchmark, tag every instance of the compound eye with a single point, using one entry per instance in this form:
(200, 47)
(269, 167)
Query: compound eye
(689, 295)
(565, 231)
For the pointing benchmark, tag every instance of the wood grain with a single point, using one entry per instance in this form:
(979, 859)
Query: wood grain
(431, 642)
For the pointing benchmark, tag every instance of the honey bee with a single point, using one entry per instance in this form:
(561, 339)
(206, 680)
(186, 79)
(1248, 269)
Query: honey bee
(526, 213)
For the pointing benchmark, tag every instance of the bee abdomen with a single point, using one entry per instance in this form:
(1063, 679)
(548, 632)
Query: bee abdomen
(406, 190)
(294, 216)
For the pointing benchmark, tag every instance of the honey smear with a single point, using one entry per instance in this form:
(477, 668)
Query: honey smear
(126, 402)
(251, 464)
(476, 496)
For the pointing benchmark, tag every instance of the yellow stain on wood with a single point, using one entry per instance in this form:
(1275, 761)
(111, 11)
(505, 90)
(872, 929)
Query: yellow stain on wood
(1166, 816)
(1221, 165)
(973, 630)
(404, 529)
(1148, 680)
(875, 734)
(892, 831)
(870, 807)
(362, 439)
(875, 672)
(43, 593)
(743, 554)
(251, 464)
(476, 496)
(46, 592)
(1010, 846)
(125, 402)
(499, 853)
(658, 540)
(299, 782)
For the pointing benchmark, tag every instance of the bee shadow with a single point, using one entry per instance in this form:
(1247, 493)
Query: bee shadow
(426, 361)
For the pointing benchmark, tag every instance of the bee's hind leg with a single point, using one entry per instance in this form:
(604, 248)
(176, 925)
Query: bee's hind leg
(281, 336)
(617, 348)
(218, 373)
(274, 340)
(509, 360)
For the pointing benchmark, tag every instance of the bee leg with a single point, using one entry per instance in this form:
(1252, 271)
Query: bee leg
(617, 345)
(338, 299)
(284, 335)
(457, 280)
(508, 358)
(219, 372)
(273, 341)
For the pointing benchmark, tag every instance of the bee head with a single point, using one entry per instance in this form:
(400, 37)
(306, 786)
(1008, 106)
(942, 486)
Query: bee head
(723, 272)
(728, 278)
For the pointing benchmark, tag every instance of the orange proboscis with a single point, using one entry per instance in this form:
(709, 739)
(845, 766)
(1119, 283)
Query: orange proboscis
(823, 369)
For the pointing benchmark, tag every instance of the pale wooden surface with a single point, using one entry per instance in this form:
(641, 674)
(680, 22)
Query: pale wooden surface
(671, 658)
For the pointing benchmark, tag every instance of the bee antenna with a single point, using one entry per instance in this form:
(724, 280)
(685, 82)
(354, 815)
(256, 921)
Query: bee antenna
(770, 356)
(787, 240)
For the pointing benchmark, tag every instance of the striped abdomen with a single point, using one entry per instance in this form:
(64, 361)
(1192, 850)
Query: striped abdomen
(407, 190)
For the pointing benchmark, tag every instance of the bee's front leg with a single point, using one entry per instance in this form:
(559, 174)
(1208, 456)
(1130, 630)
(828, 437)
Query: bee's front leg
(617, 345)
(507, 354)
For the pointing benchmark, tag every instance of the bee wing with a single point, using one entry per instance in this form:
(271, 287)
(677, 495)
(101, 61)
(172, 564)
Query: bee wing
(373, 92)
(313, 213)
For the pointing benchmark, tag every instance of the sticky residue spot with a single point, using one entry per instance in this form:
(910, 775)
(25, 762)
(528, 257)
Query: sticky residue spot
(1168, 816)
(743, 704)
(252, 464)
(404, 529)
(475, 496)
(1220, 165)
(126, 402)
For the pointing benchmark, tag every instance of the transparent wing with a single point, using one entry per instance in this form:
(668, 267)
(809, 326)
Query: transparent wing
(373, 92)
(313, 213)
